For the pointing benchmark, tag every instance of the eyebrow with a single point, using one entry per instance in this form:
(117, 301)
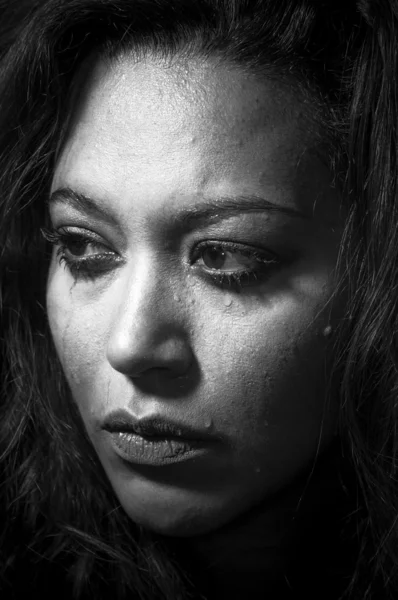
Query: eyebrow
(211, 211)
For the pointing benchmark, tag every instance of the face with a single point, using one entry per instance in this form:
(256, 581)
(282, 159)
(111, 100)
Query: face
(196, 235)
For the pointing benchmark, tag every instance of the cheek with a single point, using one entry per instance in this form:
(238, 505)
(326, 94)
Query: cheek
(75, 331)
(266, 377)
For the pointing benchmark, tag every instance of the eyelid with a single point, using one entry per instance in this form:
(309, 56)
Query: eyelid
(67, 233)
(82, 233)
(79, 225)
(85, 234)
(233, 246)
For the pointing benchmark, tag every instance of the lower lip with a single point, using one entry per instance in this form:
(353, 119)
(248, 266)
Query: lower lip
(155, 452)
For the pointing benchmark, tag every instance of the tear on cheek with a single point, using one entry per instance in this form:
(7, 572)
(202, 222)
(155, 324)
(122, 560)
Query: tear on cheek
(73, 371)
(74, 377)
(77, 364)
(327, 331)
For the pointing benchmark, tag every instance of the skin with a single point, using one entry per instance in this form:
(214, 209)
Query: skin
(156, 334)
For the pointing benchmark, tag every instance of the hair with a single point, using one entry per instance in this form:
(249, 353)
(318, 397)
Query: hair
(57, 504)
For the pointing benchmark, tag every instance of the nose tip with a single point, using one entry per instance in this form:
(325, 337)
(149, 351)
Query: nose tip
(169, 354)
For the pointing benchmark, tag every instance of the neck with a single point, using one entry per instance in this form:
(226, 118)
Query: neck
(250, 557)
(245, 557)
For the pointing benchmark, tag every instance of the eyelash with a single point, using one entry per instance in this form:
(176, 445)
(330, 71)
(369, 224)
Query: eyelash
(91, 267)
(238, 279)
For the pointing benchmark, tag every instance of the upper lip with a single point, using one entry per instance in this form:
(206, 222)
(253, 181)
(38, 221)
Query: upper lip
(152, 426)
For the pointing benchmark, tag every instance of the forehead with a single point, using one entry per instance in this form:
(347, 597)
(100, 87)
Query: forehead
(187, 92)
(183, 129)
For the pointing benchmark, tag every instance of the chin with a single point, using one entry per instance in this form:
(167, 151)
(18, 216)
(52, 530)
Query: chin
(175, 508)
(169, 524)
(178, 516)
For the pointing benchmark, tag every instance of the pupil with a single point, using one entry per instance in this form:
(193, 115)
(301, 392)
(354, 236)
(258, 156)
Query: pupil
(77, 248)
(213, 257)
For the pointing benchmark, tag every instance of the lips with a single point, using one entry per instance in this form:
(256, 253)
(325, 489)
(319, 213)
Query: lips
(152, 427)
(155, 441)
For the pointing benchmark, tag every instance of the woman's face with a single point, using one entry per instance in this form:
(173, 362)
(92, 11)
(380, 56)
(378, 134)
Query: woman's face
(204, 232)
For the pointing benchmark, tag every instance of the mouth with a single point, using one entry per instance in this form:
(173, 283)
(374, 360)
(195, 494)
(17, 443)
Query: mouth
(154, 441)
(150, 427)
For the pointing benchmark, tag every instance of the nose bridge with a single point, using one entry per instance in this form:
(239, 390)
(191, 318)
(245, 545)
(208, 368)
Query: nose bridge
(147, 331)
(147, 288)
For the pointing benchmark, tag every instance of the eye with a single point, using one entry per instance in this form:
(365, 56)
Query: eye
(219, 258)
(79, 247)
(234, 264)
(83, 252)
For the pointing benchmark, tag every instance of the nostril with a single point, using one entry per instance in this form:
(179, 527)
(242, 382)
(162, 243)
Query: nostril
(166, 383)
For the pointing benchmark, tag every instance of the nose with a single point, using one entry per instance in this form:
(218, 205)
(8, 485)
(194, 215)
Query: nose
(148, 331)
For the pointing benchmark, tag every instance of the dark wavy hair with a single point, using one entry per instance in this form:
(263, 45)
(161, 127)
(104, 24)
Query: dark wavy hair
(341, 57)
